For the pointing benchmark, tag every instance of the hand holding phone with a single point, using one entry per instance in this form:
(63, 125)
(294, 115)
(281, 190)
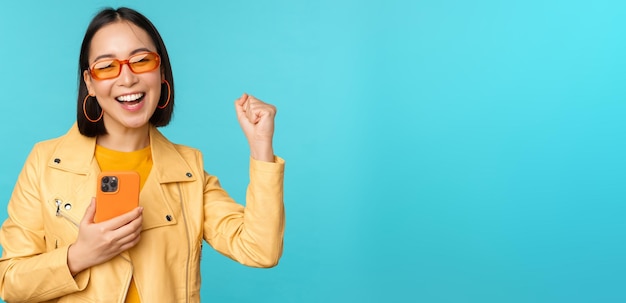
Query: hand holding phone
(117, 193)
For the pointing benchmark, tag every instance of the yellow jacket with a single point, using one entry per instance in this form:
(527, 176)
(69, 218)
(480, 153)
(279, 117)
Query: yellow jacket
(182, 205)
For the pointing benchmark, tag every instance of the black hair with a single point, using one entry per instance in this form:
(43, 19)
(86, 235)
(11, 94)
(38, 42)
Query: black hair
(160, 117)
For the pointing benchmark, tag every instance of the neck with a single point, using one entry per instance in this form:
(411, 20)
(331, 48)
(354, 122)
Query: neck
(125, 139)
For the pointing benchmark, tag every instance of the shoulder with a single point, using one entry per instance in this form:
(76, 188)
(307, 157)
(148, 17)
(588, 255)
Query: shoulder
(187, 151)
(70, 152)
(48, 146)
(174, 156)
(164, 145)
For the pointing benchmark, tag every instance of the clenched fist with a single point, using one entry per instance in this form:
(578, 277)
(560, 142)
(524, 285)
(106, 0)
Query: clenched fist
(257, 122)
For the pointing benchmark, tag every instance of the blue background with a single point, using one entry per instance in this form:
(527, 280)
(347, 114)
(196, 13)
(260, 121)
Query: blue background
(437, 150)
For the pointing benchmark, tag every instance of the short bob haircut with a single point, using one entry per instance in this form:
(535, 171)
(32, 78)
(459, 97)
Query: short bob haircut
(160, 117)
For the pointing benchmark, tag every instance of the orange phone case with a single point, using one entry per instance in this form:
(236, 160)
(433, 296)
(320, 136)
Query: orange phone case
(117, 193)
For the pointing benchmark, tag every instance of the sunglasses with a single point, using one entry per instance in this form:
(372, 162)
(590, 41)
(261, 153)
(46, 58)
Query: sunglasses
(138, 63)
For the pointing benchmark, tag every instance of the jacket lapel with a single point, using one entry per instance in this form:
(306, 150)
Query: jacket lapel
(75, 153)
(162, 196)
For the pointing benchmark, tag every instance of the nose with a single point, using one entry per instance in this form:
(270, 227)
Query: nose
(127, 77)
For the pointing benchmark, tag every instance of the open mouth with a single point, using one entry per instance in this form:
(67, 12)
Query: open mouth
(131, 99)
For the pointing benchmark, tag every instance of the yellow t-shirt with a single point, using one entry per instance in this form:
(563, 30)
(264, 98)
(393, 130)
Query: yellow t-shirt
(139, 161)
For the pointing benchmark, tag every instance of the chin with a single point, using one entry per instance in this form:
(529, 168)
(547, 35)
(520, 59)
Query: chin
(136, 124)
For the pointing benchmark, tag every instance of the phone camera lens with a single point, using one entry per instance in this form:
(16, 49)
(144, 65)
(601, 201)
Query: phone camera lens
(105, 187)
(105, 180)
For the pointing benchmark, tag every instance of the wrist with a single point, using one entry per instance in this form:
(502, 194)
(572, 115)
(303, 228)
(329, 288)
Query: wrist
(266, 156)
(262, 151)
(74, 263)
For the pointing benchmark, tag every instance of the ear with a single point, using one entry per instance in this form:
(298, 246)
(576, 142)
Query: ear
(87, 79)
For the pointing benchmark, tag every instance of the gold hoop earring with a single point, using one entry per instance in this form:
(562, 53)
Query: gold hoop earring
(85, 111)
(169, 93)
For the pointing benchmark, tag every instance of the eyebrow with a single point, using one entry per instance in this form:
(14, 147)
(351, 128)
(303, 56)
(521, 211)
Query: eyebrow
(139, 50)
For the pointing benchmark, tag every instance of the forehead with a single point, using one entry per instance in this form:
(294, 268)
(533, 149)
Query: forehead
(119, 40)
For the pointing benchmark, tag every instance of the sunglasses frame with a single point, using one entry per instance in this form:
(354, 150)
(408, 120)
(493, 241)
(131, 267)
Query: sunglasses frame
(121, 64)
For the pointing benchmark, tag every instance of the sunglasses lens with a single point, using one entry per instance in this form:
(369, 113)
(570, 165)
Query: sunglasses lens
(106, 69)
(111, 68)
(142, 63)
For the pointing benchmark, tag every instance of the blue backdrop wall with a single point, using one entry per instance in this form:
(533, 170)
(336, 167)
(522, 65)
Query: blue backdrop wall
(437, 150)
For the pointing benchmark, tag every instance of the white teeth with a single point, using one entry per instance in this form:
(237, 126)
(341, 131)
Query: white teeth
(131, 97)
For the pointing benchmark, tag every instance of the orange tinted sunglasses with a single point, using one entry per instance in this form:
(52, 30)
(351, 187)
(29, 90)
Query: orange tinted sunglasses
(112, 68)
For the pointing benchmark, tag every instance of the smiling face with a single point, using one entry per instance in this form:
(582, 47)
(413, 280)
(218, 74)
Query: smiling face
(130, 99)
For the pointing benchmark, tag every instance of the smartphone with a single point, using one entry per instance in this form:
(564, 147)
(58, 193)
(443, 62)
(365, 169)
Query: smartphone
(118, 193)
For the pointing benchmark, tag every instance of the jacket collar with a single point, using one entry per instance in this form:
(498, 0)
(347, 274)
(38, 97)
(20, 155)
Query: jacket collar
(75, 153)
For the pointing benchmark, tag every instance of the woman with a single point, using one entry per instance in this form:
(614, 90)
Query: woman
(52, 248)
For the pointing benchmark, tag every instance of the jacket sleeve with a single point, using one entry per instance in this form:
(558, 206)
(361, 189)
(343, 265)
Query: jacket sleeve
(251, 235)
(27, 272)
